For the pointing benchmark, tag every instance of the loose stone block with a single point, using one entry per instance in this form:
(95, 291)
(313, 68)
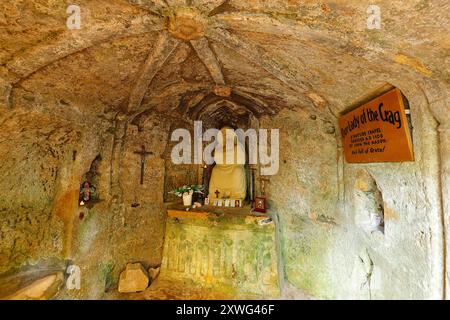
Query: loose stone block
(133, 279)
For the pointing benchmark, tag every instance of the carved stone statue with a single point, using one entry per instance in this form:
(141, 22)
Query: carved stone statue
(228, 180)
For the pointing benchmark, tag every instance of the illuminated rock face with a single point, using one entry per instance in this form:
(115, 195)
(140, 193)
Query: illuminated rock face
(79, 103)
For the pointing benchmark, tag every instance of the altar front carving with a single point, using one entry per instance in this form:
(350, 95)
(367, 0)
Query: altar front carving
(229, 253)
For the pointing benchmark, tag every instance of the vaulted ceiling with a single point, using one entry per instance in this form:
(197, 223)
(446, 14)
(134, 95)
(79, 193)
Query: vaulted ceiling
(216, 58)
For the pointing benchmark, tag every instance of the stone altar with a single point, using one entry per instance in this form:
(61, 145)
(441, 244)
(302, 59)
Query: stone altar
(223, 250)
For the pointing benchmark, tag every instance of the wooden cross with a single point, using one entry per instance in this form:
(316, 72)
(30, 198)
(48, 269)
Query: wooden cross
(217, 194)
(143, 153)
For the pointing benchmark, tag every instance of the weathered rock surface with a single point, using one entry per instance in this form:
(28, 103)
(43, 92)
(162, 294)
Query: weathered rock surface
(133, 279)
(153, 273)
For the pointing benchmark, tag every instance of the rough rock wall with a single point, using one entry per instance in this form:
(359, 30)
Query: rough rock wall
(40, 158)
(128, 224)
(405, 261)
(43, 161)
(304, 194)
(324, 205)
(27, 191)
(139, 229)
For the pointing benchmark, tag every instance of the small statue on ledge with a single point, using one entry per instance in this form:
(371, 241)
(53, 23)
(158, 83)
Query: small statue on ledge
(87, 191)
(228, 177)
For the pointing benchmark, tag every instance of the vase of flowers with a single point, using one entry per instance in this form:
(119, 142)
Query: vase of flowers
(186, 192)
(187, 199)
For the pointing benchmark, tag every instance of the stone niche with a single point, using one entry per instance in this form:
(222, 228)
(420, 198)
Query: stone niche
(181, 174)
(368, 203)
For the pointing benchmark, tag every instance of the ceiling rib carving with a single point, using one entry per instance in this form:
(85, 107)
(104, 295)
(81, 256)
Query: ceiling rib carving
(209, 59)
(235, 41)
(164, 46)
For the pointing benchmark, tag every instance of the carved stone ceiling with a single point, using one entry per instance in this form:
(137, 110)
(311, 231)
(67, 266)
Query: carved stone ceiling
(182, 57)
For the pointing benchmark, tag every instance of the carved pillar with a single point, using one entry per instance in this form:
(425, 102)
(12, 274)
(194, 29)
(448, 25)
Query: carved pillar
(115, 191)
(116, 156)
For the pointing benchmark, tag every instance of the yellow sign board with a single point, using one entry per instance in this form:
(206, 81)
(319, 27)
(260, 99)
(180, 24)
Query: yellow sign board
(377, 131)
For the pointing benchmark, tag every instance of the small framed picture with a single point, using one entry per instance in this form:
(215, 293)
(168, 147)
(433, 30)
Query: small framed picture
(227, 202)
(219, 202)
(232, 203)
(260, 204)
(238, 203)
(206, 201)
(215, 203)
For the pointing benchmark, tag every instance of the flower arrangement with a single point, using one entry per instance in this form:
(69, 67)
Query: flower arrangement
(195, 188)
(187, 191)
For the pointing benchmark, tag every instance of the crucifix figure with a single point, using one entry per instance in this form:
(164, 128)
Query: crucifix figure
(143, 153)
(217, 194)
(263, 180)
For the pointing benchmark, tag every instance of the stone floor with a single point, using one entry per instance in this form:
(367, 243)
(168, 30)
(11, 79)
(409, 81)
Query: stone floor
(160, 289)
(165, 290)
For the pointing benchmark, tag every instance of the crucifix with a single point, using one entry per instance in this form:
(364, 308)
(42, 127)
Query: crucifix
(263, 180)
(143, 153)
(260, 204)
